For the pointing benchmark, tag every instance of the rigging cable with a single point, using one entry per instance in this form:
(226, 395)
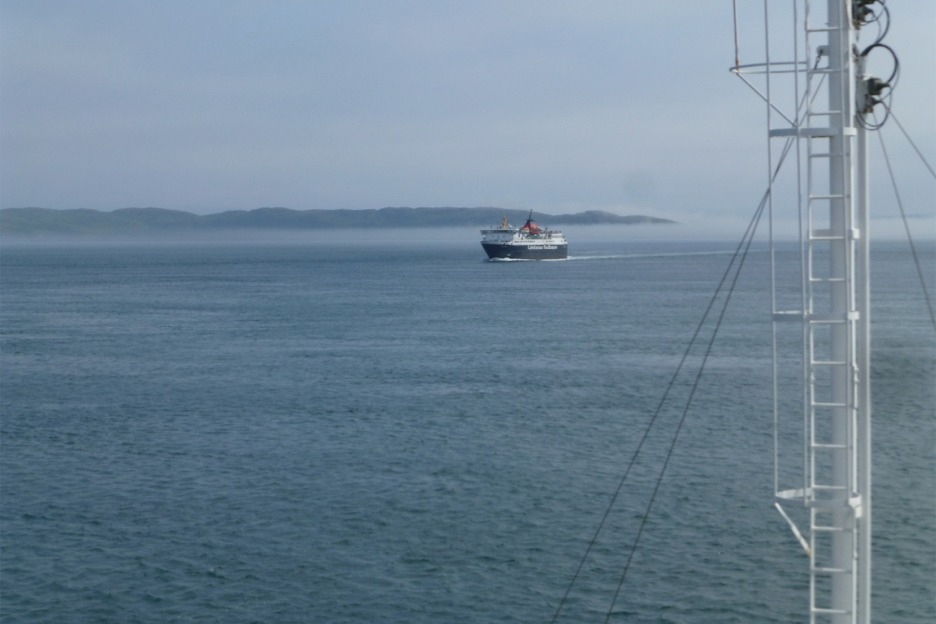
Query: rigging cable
(903, 215)
(912, 144)
(745, 243)
(748, 233)
(889, 86)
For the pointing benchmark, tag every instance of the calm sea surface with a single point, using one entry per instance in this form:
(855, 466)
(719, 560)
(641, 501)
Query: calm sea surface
(400, 431)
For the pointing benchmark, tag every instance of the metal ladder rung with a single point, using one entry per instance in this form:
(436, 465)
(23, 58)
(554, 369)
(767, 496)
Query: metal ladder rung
(830, 488)
(827, 113)
(830, 447)
(830, 529)
(822, 234)
(828, 504)
(788, 315)
(825, 235)
(826, 363)
(828, 318)
(811, 132)
(827, 238)
(821, 404)
(830, 196)
(824, 611)
(831, 570)
(826, 280)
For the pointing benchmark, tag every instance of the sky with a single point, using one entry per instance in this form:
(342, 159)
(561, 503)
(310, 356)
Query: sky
(217, 105)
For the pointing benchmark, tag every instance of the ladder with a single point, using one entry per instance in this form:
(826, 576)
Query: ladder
(830, 324)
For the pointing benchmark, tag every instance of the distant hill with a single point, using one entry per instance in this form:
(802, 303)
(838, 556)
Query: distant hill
(136, 222)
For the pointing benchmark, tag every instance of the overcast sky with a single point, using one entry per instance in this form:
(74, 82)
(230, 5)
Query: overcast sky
(213, 105)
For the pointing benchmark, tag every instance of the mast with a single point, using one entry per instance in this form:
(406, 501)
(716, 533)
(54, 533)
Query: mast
(816, 107)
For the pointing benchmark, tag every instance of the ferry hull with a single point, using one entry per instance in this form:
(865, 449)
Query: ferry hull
(545, 251)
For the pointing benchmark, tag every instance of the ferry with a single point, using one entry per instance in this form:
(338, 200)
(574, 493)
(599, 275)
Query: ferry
(530, 242)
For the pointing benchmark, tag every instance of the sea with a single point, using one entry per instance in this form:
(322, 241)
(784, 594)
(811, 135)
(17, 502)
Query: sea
(386, 427)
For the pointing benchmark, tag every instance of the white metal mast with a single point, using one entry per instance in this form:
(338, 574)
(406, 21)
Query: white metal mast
(815, 107)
